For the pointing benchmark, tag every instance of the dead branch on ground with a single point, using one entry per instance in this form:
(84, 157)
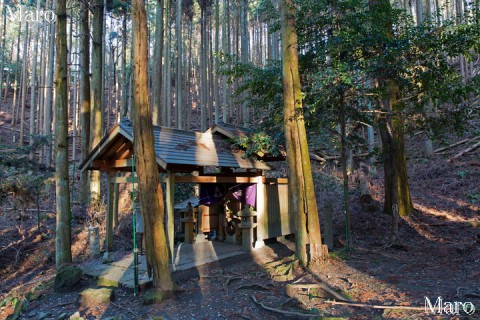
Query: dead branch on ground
(285, 313)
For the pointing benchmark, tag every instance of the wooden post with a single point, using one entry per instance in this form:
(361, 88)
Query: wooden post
(109, 227)
(262, 217)
(170, 215)
(115, 204)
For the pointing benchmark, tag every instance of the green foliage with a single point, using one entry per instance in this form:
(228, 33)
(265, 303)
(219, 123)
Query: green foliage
(351, 51)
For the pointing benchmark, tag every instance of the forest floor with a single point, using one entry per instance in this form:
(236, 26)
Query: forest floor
(439, 256)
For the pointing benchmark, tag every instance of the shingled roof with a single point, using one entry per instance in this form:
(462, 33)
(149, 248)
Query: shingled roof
(177, 150)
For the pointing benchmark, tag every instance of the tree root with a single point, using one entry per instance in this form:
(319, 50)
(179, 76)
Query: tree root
(283, 312)
(373, 306)
(323, 287)
(125, 309)
(253, 287)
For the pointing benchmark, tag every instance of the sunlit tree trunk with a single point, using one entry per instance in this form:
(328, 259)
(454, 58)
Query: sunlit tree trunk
(84, 95)
(151, 198)
(302, 202)
(17, 76)
(96, 121)
(157, 66)
(63, 232)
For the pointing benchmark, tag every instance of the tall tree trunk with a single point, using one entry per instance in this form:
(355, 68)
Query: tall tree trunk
(47, 119)
(24, 84)
(167, 107)
(157, 66)
(215, 64)
(17, 76)
(96, 121)
(397, 192)
(345, 172)
(203, 70)
(84, 95)
(302, 202)
(3, 28)
(63, 231)
(244, 52)
(33, 83)
(151, 197)
(179, 67)
(225, 51)
(125, 78)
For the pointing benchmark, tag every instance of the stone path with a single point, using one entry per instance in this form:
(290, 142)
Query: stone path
(187, 256)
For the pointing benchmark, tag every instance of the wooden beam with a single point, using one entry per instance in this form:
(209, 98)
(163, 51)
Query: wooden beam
(109, 222)
(124, 179)
(276, 180)
(214, 179)
(112, 164)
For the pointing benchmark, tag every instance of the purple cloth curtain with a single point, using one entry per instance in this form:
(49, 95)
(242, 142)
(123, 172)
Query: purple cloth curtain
(246, 193)
(213, 193)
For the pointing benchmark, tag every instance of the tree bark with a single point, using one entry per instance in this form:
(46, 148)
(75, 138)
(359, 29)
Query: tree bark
(96, 121)
(302, 202)
(84, 95)
(63, 253)
(157, 66)
(47, 119)
(24, 84)
(33, 83)
(179, 67)
(151, 197)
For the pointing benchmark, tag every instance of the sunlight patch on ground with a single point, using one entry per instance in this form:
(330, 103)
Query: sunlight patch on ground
(440, 213)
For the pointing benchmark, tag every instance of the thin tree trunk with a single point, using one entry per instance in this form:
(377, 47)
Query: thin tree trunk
(215, 65)
(244, 53)
(151, 197)
(84, 96)
(125, 78)
(33, 83)
(96, 121)
(179, 67)
(346, 199)
(3, 29)
(47, 120)
(225, 51)
(157, 66)
(24, 84)
(17, 76)
(63, 231)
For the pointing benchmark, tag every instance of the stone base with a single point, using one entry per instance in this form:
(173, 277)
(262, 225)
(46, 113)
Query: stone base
(259, 244)
(200, 238)
(231, 239)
